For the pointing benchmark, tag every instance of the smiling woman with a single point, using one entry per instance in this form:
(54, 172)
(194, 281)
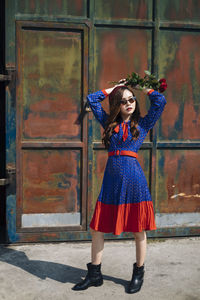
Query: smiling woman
(124, 203)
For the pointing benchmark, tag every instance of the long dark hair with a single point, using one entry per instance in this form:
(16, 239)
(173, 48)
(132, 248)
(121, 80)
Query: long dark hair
(114, 116)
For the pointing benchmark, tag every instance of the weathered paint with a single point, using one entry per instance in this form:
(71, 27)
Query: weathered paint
(11, 218)
(179, 62)
(58, 7)
(51, 66)
(50, 181)
(10, 9)
(177, 220)
(180, 10)
(123, 38)
(117, 9)
(178, 181)
(116, 55)
(51, 220)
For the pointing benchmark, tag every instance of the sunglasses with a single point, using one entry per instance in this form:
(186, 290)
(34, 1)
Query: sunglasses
(131, 100)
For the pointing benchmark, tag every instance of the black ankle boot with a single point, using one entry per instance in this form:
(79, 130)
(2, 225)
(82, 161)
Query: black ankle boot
(93, 278)
(137, 279)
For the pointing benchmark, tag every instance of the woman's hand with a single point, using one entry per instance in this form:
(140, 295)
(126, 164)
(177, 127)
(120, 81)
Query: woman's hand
(121, 82)
(139, 88)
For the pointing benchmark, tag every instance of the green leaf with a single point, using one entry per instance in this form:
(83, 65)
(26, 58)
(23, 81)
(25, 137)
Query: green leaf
(147, 72)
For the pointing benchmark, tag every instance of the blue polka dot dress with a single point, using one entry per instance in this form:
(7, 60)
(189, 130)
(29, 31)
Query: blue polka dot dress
(124, 203)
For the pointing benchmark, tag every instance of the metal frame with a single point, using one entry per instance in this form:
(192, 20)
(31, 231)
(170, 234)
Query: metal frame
(82, 146)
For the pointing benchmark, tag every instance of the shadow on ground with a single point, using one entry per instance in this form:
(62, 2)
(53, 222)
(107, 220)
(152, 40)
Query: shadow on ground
(43, 269)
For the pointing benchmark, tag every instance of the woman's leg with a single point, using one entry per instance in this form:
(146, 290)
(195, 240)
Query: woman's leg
(141, 244)
(94, 276)
(97, 246)
(138, 267)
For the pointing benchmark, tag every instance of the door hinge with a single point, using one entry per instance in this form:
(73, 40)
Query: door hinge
(10, 173)
(4, 181)
(8, 76)
(4, 77)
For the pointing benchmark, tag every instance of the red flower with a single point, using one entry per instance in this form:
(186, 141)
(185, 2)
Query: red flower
(163, 85)
(162, 80)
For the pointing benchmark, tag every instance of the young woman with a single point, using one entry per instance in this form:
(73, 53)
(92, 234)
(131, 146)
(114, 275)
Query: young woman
(124, 203)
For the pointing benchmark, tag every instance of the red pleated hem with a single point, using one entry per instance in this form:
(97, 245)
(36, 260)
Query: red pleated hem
(131, 217)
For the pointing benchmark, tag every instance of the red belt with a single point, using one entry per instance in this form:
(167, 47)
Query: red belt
(123, 152)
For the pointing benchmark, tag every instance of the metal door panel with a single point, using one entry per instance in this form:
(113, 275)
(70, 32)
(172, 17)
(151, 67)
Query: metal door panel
(50, 77)
(179, 61)
(178, 164)
(179, 10)
(51, 177)
(125, 10)
(52, 8)
(178, 174)
(178, 189)
(119, 51)
(51, 145)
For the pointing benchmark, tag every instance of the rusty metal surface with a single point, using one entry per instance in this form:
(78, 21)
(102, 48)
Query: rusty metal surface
(51, 181)
(124, 36)
(50, 83)
(180, 10)
(58, 7)
(119, 51)
(179, 62)
(117, 9)
(178, 181)
(52, 153)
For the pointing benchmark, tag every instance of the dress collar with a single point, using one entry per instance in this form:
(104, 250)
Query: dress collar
(124, 128)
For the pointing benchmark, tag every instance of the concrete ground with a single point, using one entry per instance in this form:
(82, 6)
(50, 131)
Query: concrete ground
(48, 271)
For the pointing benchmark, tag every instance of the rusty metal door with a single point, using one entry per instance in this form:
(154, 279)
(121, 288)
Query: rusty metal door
(164, 37)
(49, 148)
(178, 135)
(59, 49)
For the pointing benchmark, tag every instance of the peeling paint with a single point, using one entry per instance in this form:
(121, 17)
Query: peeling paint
(11, 218)
(178, 176)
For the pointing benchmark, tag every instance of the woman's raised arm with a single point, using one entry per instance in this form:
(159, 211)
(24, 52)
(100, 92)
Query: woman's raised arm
(94, 100)
(96, 107)
(158, 103)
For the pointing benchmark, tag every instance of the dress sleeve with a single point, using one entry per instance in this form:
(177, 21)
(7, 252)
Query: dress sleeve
(97, 109)
(158, 103)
